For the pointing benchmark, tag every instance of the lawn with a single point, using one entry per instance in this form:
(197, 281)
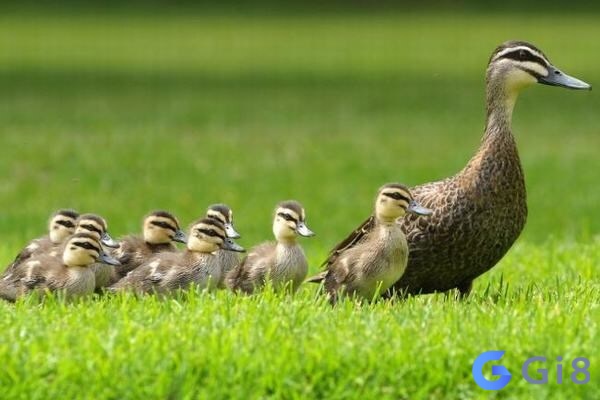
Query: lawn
(122, 114)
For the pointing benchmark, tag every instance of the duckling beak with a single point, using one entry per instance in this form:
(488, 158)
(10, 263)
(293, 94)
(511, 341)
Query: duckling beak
(108, 241)
(417, 209)
(231, 232)
(556, 77)
(180, 236)
(303, 230)
(106, 259)
(230, 245)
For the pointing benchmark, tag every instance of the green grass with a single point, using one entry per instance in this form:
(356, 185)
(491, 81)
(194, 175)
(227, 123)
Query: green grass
(119, 115)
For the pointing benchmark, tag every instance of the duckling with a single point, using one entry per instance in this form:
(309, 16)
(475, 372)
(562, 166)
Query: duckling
(374, 256)
(96, 226)
(283, 263)
(228, 259)
(160, 230)
(60, 226)
(197, 265)
(223, 213)
(69, 273)
(479, 212)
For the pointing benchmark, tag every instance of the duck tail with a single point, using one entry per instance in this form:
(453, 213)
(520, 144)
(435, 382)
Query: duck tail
(320, 277)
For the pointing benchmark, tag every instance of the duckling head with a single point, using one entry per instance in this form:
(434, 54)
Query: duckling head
(289, 221)
(84, 249)
(96, 226)
(208, 235)
(62, 225)
(394, 200)
(515, 65)
(161, 227)
(224, 214)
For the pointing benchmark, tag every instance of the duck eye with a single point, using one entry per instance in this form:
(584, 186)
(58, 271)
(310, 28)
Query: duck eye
(287, 217)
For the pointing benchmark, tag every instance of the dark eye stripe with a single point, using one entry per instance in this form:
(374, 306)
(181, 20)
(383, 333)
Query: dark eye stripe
(210, 232)
(86, 245)
(396, 196)
(66, 224)
(164, 225)
(92, 228)
(287, 217)
(524, 55)
(217, 216)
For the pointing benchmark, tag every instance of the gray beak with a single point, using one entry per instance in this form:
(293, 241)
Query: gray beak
(231, 232)
(108, 241)
(180, 236)
(417, 209)
(303, 230)
(106, 259)
(556, 77)
(230, 245)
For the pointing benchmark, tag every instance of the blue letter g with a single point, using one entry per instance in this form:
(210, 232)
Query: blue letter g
(497, 370)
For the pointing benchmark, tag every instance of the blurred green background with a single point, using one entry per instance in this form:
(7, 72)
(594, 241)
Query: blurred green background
(128, 109)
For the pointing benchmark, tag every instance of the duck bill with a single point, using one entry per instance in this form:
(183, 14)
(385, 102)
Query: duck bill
(230, 245)
(108, 241)
(106, 259)
(303, 230)
(417, 209)
(556, 77)
(180, 236)
(231, 232)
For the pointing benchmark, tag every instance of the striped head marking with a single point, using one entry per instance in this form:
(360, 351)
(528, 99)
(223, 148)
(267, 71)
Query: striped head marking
(290, 220)
(84, 249)
(520, 64)
(96, 226)
(62, 225)
(161, 227)
(394, 200)
(223, 213)
(208, 235)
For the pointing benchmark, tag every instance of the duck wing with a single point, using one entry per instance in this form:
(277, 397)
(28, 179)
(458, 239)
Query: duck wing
(355, 237)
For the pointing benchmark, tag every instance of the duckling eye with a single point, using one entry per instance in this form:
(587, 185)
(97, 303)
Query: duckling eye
(66, 224)
(396, 196)
(287, 217)
(86, 245)
(522, 54)
(163, 225)
(208, 232)
(91, 228)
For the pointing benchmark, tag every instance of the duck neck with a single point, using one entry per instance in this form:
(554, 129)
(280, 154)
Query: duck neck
(498, 143)
(497, 158)
(383, 220)
(500, 102)
(286, 241)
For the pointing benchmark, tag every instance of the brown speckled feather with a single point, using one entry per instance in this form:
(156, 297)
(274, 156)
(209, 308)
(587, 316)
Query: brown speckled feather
(168, 272)
(373, 257)
(35, 247)
(356, 236)
(44, 272)
(228, 261)
(244, 277)
(279, 263)
(133, 251)
(477, 216)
